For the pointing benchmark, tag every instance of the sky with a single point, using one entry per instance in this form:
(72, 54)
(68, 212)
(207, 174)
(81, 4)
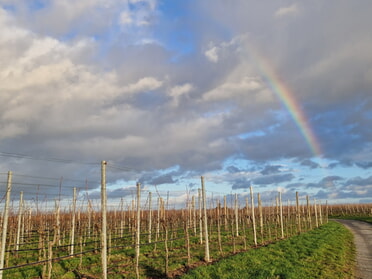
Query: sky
(276, 95)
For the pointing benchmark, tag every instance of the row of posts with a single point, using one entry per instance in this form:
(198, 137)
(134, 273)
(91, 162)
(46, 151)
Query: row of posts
(104, 243)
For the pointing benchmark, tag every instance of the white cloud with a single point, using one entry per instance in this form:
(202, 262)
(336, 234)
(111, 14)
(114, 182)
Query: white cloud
(287, 11)
(231, 89)
(212, 54)
(178, 91)
(141, 16)
(125, 18)
(144, 84)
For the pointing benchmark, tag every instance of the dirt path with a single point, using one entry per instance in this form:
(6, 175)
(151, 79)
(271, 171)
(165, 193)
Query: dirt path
(363, 241)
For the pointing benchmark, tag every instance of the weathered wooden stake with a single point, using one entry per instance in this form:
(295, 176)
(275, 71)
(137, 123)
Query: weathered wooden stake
(316, 214)
(150, 216)
(236, 211)
(193, 215)
(253, 217)
(72, 241)
(261, 216)
(206, 237)
(200, 216)
(308, 211)
(281, 215)
(104, 220)
(20, 216)
(298, 218)
(5, 222)
(138, 228)
(219, 227)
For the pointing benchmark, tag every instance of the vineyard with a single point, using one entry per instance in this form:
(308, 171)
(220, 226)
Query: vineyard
(146, 236)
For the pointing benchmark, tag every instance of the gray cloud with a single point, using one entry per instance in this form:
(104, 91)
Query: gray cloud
(271, 169)
(273, 179)
(151, 91)
(359, 181)
(326, 182)
(310, 164)
(364, 165)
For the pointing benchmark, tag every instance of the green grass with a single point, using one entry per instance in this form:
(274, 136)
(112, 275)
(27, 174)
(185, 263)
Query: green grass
(326, 252)
(367, 219)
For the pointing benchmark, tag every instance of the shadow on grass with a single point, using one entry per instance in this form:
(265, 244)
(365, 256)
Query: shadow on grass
(151, 272)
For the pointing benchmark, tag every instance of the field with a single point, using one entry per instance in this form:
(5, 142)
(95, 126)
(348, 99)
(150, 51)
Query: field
(325, 252)
(139, 238)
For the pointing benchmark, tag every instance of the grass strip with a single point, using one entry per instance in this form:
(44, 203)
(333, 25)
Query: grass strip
(367, 219)
(325, 252)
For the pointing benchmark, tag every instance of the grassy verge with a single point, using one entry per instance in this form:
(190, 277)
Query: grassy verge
(367, 219)
(326, 252)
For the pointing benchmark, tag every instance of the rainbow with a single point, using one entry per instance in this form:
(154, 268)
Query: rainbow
(288, 99)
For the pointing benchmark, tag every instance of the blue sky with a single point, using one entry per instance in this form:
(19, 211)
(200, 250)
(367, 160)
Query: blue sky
(166, 91)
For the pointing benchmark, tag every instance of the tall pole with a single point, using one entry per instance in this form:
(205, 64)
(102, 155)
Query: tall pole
(253, 217)
(150, 216)
(236, 216)
(104, 220)
(72, 242)
(206, 237)
(260, 214)
(281, 214)
(20, 215)
(200, 216)
(298, 214)
(316, 213)
(138, 229)
(5, 222)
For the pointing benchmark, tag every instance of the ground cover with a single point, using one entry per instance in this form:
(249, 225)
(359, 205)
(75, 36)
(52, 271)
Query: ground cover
(325, 252)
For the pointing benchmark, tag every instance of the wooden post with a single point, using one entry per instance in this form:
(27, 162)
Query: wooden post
(150, 216)
(187, 223)
(261, 215)
(298, 218)
(194, 214)
(58, 222)
(277, 217)
(253, 217)
(206, 237)
(5, 222)
(138, 228)
(281, 214)
(72, 241)
(104, 220)
(320, 213)
(158, 221)
(219, 227)
(166, 248)
(289, 220)
(200, 217)
(316, 213)
(20, 216)
(308, 209)
(89, 217)
(236, 216)
(122, 217)
(225, 212)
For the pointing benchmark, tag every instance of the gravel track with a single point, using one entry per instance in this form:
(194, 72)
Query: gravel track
(363, 241)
